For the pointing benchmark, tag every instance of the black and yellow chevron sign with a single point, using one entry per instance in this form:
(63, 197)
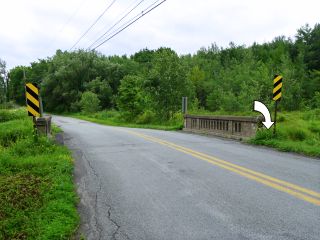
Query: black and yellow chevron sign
(33, 103)
(277, 85)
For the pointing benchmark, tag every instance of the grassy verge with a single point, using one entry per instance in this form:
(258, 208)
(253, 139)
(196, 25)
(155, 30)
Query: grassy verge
(296, 131)
(37, 194)
(113, 118)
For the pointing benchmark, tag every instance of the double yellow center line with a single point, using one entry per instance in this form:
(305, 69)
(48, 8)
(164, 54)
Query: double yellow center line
(292, 189)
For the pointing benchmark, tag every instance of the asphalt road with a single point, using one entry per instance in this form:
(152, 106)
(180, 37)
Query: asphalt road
(150, 184)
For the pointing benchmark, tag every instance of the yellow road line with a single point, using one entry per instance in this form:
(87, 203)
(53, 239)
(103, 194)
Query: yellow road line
(296, 187)
(287, 187)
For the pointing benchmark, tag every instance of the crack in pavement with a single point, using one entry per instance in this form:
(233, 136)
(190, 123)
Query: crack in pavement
(96, 210)
(98, 227)
(114, 222)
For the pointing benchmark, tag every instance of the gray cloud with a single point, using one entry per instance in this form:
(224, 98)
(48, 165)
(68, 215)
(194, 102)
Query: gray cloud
(36, 28)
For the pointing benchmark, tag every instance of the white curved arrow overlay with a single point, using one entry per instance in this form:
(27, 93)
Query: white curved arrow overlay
(260, 107)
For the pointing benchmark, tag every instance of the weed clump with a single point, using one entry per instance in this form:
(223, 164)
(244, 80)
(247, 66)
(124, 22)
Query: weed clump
(297, 134)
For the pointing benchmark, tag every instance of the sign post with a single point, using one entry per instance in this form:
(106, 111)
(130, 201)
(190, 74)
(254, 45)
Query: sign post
(277, 85)
(184, 105)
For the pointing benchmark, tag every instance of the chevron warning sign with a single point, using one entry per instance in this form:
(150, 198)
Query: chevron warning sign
(277, 85)
(33, 103)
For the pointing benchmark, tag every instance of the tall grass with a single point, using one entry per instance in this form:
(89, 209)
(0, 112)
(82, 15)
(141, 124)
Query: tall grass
(296, 132)
(146, 120)
(37, 194)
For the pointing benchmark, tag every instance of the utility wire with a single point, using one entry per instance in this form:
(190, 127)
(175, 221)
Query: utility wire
(54, 39)
(132, 19)
(101, 15)
(72, 16)
(115, 24)
(129, 24)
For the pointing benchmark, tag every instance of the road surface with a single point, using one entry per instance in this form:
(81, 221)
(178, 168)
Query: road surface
(151, 184)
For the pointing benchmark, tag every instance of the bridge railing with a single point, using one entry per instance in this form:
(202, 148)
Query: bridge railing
(237, 127)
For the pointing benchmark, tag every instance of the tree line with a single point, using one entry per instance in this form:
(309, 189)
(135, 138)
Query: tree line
(152, 82)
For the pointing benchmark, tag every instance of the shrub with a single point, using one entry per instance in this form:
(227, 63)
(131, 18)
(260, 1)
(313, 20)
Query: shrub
(75, 107)
(264, 134)
(12, 114)
(316, 100)
(147, 117)
(8, 105)
(89, 102)
(131, 97)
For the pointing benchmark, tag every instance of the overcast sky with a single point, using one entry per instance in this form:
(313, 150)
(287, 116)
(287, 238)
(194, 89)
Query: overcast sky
(35, 29)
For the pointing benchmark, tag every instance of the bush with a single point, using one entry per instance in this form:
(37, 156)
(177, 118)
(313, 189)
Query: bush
(131, 97)
(12, 114)
(316, 100)
(147, 117)
(8, 105)
(75, 107)
(89, 102)
(263, 134)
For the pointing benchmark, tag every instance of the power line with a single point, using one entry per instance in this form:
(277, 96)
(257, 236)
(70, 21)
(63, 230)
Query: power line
(72, 16)
(54, 39)
(115, 24)
(129, 24)
(130, 20)
(101, 15)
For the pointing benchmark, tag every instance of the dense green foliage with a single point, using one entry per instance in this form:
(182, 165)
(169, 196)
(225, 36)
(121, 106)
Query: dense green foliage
(37, 194)
(152, 82)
